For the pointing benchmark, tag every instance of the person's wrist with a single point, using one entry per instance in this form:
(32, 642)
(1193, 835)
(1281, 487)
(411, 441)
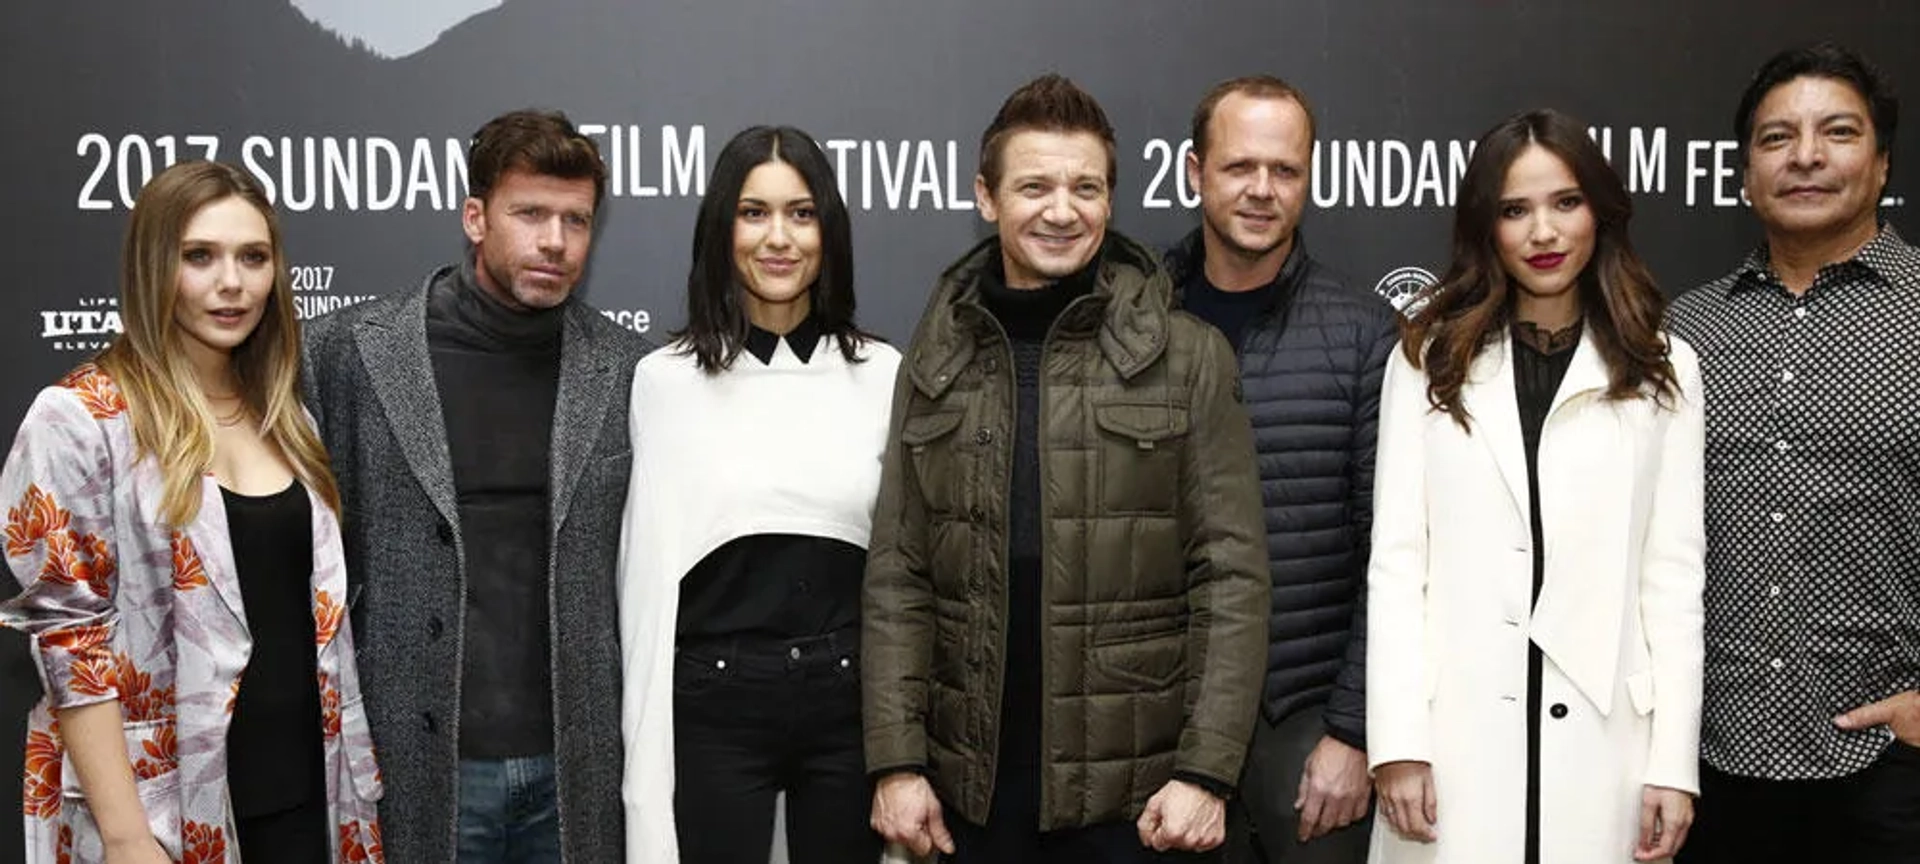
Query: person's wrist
(905, 775)
(1209, 785)
(125, 838)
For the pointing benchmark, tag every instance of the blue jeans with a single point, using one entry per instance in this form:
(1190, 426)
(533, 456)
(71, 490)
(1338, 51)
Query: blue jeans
(508, 811)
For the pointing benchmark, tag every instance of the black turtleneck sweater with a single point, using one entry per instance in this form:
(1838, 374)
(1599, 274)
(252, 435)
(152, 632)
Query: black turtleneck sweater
(498, 371)
(1025, 315)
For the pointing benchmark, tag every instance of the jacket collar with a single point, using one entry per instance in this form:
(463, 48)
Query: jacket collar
(1886, 256)
(1494, 408)
(801, 340)
(393, 344)
(1187, 259)
(1126, 313)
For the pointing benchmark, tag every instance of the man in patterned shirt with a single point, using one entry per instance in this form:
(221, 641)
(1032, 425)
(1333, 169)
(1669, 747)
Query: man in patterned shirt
(1811, 738)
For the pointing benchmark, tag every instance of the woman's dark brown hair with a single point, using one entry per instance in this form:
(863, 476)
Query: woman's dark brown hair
(1473, 304)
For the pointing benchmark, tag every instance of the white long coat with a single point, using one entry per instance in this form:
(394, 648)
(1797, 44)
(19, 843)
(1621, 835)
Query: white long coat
(1618, 617)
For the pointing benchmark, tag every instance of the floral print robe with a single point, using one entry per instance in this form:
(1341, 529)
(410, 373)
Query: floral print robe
(116, 604)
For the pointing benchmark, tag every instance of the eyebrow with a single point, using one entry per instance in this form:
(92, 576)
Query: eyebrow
(1049, 177)
(205, 241)
(790, 202)
(1569, 190)
(1853, 116)
(1250, 159)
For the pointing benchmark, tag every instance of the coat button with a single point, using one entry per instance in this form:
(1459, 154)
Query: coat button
(984, 436)
(445, 531)
(991, 366)
(427, 724)
(1558, 710)
(976, 514)
(434, 627)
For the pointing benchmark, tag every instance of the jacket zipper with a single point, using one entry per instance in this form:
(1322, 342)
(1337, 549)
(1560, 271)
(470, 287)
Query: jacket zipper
(1011, 378)
(1040, 426)
(1012, 382)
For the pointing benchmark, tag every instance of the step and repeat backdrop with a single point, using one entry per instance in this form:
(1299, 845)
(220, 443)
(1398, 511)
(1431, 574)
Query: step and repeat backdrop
(355, 115)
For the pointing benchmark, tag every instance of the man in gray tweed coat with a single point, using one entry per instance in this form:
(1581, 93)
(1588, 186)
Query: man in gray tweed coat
(476, 428)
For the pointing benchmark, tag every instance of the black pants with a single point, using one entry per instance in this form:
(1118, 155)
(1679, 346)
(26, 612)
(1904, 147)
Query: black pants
(1869, 817)
(1012, 834)
(1262, 826)
(753, 718)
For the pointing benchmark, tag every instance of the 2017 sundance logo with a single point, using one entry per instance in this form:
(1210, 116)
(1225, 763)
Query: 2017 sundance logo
(1402, 287)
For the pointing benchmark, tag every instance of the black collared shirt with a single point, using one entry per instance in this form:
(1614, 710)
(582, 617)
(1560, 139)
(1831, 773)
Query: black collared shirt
(772, 586)
(801, 340)
(1812, 507)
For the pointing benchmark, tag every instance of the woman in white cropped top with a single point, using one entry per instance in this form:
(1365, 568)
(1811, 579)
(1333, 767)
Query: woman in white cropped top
(757, 440)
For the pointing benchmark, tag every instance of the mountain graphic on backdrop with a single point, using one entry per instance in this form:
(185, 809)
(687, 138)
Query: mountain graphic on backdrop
(387, 29)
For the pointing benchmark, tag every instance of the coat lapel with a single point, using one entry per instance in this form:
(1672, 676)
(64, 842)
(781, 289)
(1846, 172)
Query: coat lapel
(329, 578)
(1495, 411)
(212, 551)
(587, 380)
(1586, 373)
(1585, 493)
(393, 345)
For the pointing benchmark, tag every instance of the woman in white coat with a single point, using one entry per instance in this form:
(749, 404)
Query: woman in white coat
(1534, 638)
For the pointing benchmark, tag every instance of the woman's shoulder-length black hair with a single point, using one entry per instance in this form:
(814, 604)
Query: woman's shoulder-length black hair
(716, 330)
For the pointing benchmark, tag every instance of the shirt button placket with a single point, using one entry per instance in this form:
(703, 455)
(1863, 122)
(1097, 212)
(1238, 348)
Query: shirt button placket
(1791, 333)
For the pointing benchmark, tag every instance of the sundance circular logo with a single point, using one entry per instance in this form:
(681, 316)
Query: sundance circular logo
(1402, 285)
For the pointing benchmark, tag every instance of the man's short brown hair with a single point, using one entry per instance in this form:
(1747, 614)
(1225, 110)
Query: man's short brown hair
(1253, 87)
(540, 142)
(1049, 103)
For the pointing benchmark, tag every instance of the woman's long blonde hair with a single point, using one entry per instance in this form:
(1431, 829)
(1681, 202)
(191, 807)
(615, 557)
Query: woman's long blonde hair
(171, 419)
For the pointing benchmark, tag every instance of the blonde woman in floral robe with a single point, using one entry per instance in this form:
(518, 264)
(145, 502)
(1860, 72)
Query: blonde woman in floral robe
(123, 603)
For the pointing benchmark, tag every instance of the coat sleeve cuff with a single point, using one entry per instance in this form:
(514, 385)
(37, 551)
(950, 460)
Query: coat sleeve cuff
(1357, 739)
(1408, 745)
(77, 665)
(878, 774)
(1214, 787)
(896, 747)
(1673, 767)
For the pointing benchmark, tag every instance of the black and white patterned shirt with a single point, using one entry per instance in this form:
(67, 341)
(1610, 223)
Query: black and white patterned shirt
(1812, 507)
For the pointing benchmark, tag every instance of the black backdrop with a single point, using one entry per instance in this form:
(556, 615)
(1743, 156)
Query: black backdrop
(355, 111)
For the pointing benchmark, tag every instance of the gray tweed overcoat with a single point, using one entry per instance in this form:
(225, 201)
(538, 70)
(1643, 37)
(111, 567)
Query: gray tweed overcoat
(370, 385)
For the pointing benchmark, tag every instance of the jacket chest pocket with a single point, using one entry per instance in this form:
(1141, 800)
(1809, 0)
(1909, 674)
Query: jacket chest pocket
(1137, 463)
(932, 449)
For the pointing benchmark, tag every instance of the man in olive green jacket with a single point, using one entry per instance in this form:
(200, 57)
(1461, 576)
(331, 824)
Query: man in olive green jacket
(1066, 595)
